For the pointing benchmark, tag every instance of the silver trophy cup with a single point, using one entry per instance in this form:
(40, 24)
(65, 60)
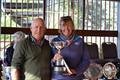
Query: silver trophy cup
(60, 65)
(109, 70)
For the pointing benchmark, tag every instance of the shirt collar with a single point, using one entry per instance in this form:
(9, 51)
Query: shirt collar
(64, 38)
(34, 42)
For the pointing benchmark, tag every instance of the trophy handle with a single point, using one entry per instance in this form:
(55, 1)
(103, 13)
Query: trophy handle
(68, 69)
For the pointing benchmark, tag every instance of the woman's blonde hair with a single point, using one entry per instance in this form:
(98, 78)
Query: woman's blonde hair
(64, 20)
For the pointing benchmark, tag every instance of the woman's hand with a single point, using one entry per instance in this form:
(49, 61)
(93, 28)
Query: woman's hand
(73, 72)
(56, 57)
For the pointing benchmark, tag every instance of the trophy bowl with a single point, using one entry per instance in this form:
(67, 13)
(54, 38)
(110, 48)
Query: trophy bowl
(109, 70)
(93, 72)
(58, 44)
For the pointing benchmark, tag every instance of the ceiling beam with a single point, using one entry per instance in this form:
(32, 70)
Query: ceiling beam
(101, 33)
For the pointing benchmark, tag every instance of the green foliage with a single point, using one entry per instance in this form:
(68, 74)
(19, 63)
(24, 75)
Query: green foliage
(5, 37)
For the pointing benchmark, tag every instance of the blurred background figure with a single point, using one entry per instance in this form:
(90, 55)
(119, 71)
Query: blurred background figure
(17, 36)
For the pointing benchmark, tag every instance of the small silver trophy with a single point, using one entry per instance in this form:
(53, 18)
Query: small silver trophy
(109, 70)
(94, 71)
(60, 65)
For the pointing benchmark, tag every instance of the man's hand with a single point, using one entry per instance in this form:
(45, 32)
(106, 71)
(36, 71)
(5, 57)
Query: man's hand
(15, 74)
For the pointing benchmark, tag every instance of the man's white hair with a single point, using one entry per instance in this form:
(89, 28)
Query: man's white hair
(37, 19)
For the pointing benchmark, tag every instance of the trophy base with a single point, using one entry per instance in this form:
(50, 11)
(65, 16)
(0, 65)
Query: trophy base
(59, 69)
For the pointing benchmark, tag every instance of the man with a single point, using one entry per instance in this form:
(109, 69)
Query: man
(32, 55)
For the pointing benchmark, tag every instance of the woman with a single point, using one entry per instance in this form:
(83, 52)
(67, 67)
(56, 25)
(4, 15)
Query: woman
(74, 52)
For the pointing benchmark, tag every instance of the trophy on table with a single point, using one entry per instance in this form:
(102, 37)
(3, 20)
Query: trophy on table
(94, 71)
(109, 70)
(60, 65)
